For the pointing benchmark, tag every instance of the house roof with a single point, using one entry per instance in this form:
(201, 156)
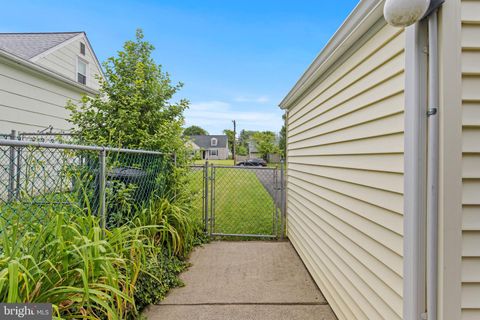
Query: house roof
(365, 15)
(29, 45)
(205, 142)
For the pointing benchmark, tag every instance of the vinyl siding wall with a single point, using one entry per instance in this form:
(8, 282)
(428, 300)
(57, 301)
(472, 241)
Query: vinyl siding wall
(30, 101)
(64, 61)
(471, 160)
(345, 179)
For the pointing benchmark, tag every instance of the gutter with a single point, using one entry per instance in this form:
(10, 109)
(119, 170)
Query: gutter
(46, 72)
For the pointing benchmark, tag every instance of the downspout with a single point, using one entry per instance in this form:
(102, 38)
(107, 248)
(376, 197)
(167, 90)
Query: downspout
(404, 13)
(432, 167)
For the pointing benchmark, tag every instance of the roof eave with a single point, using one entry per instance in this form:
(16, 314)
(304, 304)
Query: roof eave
(364, 16)
(46, 72)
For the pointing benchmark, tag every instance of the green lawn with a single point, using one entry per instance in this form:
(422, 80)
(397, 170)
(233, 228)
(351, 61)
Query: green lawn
(216, 162)
(242, 204)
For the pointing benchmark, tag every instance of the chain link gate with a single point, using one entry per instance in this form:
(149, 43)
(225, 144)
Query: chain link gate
(241, 201)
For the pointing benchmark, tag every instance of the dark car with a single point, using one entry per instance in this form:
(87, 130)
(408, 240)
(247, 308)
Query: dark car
(252, 163)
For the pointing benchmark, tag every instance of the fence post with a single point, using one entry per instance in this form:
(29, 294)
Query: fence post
(282, 197)
(102, 190)
(205, 190)
(11, 171)
(212, 199)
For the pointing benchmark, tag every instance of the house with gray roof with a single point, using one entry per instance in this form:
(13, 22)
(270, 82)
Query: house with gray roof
(210, 147)
(39, 74)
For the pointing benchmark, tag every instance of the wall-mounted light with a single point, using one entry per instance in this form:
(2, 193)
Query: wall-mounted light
(402, 13)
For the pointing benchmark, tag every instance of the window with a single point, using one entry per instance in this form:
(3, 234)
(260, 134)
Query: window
(82, 48)
(213, 152)
(82, 71)
(214, 142)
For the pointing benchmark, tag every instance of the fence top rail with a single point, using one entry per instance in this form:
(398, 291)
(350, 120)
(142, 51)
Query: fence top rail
(45, 134)
(244, 167)
(17, 143)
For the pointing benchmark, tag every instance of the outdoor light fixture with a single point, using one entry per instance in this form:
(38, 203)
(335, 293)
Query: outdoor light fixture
(402, 13)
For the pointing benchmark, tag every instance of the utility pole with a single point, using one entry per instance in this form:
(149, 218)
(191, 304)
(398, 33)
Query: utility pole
(234, 140)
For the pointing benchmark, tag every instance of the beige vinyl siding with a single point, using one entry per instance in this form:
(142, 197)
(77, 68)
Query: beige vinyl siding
(30, 101)
(345, 179)
(471, 160)
(64, 61)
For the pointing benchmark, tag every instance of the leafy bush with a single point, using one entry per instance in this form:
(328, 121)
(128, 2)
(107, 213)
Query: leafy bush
(68, 260)
(159, 275)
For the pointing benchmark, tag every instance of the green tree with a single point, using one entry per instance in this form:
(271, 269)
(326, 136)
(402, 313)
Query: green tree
(245, 137)
(282, 141)
(134, 108)
(230, 137)
(265, 142)
(242, 150)
(195, 131)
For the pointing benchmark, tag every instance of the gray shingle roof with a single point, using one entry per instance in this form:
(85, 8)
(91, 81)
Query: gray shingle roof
(205, 142)
(29, 45)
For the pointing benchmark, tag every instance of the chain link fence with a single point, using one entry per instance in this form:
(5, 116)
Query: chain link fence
(47, 137)
(37, 178)
(239, 201)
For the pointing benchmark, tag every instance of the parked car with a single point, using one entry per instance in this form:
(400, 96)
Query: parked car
(252, 163)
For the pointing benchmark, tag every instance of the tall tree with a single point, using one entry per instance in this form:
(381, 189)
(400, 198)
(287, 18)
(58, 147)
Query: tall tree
(195, 131)
(266, 143)
(134, 108)
(230, 137)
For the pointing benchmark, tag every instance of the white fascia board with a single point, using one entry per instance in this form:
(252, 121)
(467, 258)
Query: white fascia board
(362, 18)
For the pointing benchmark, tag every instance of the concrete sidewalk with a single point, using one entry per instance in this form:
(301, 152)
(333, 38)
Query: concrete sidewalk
(244, 280)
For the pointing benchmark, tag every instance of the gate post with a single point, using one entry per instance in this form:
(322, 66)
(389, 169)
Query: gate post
(212, 199)
(12, 169)
(205, 199)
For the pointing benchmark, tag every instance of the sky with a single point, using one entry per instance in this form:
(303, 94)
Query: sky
(237, 59)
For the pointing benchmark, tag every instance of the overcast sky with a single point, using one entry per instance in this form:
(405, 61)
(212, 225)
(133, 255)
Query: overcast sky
(237, 58)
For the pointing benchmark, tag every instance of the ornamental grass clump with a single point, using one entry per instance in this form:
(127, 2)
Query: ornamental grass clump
(69, 261)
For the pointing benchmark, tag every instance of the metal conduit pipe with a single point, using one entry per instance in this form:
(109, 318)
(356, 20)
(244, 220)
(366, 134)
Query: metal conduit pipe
(432, 168)
(402, 13)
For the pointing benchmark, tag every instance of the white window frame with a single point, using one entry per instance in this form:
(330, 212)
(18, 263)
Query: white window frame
(87, 69)
(214, 142)
(213, 152)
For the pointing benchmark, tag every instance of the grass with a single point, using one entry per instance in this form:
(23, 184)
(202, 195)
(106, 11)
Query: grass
(216, 162)
(242, 204)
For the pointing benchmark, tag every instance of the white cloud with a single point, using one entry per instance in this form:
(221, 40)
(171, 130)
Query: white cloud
(260, 99)
(215, 116)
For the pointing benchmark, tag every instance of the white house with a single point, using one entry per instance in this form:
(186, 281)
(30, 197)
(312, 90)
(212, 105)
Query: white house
(39, 74)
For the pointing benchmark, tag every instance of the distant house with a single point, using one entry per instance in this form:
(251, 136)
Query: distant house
(39, 73)
(210, 147)
(253, 152)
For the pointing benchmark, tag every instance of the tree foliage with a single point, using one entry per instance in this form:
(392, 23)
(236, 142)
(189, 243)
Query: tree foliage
(134, 108)
(266, 143)
(282, 142)
(195, 131)
(230, 137)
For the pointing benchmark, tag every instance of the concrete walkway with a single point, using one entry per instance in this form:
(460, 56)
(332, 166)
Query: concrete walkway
(244, 280)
